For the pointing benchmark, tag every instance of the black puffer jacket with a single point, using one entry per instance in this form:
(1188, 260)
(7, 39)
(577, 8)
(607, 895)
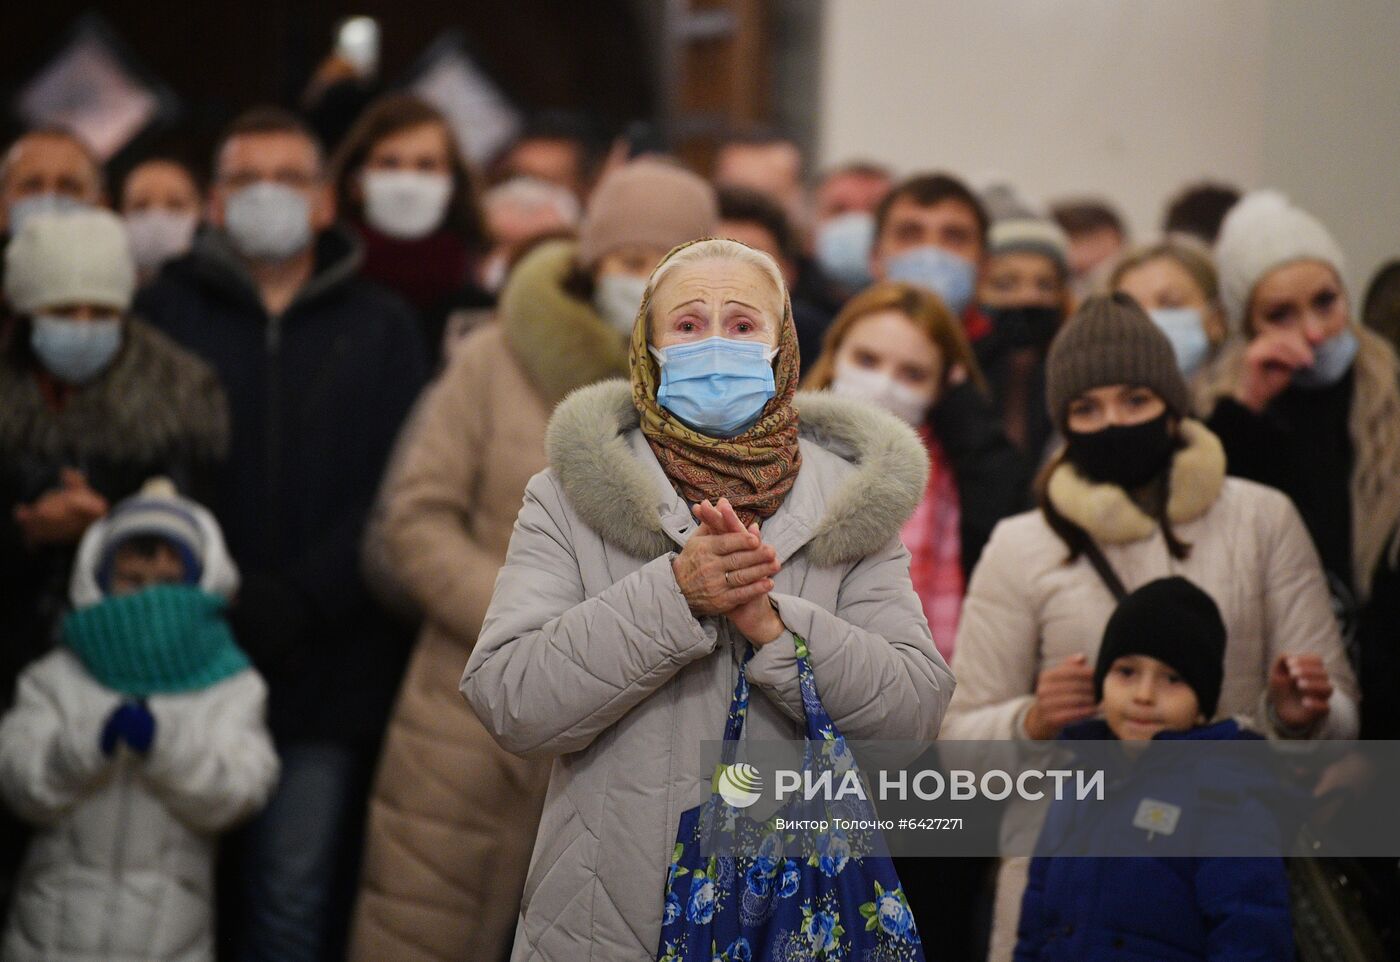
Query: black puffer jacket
(316, 396)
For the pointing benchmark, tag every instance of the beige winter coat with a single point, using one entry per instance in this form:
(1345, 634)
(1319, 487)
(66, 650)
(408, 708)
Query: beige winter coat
(453, 816)
(590, 653)
(1026, 610)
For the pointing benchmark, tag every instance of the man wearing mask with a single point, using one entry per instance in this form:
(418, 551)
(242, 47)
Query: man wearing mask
(47, 170)
(321, 368)
(931, 230)
(845, 199)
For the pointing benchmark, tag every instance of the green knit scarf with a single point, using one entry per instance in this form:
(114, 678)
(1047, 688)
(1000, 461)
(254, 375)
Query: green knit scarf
(163, 640)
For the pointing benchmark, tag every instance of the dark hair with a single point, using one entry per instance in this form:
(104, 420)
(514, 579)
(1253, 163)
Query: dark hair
(753, 207)
(162, 158)
(930, 190)
(553, 125)
(392, 114)
(266, 119)
(1381, 308)
(144, 545)
(1077, 217)
(1199, 210)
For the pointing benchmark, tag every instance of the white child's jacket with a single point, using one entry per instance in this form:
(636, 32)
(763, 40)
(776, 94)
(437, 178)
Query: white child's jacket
(121, 867)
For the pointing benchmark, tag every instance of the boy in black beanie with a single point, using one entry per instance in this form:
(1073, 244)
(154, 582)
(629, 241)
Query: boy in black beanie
(1158, 677)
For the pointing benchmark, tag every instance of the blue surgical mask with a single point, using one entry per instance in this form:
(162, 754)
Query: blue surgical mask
(717, 386)
(1186, 330)
(1331, 361)
(843, 249)
(268, 221)
(35, 204)
(74, 351)
(949, 276)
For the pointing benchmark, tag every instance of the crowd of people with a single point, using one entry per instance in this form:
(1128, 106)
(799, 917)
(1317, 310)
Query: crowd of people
(947, 457)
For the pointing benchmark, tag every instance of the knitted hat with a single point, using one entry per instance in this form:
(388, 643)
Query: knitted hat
(1178, 624)
(1264, 231)
(1032, 235)
(78, 257)
(154, 511)
(1111, 340)
(647, 201)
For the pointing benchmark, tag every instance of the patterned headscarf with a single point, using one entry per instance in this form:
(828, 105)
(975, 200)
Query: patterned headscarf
(754, 470)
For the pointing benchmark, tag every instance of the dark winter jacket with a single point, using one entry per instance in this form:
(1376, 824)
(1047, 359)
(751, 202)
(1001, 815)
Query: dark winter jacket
(156, 410)
(1145, 909)
(316, 396)
(988, 471)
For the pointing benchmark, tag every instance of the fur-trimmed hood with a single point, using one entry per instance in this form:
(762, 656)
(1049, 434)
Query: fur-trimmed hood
(863, 473)
(1109, 516)
(561, 342)
(155, 398)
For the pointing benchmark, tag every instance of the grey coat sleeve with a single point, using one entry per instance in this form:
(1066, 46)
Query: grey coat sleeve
(552, 668)
(877, 670)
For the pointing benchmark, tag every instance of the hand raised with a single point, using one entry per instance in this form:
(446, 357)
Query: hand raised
(757, 620)
(719, 570)
(1064, 694)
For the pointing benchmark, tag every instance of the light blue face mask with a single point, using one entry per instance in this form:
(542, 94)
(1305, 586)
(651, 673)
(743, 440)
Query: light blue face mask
(74, 351)
(843, 249)
(1186, 330)
(1331, 361)
(36, 204)
(717, 386)
(947, 275)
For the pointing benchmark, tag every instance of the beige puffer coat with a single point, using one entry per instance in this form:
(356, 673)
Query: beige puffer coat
(590, 653)
(452, 815)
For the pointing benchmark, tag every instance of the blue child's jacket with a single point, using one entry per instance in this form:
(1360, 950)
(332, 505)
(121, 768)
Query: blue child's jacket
(1163, 909)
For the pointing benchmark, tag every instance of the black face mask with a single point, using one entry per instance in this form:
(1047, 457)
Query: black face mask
(1027, 326)
(1128, 456)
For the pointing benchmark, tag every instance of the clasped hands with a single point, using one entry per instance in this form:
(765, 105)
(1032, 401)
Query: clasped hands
(726, 569)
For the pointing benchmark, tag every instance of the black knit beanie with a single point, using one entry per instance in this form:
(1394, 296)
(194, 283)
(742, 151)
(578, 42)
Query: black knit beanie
(1111, 340)
(1178, 624)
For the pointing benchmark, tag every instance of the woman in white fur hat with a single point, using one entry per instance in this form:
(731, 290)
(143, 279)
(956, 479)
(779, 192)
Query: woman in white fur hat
(1308, 401)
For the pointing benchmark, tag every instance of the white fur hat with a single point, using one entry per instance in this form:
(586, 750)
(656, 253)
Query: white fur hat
(1264, 231)
(78, 257)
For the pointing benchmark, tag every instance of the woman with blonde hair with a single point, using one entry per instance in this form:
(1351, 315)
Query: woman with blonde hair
(1175, 282)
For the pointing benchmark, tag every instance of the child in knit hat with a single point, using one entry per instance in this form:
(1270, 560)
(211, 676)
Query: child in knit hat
(134, 744)
(1158, 678)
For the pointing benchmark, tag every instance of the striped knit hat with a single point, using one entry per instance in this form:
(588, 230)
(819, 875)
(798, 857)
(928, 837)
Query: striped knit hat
(1111, 340)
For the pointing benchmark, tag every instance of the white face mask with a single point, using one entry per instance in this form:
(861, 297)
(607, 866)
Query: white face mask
(618, 297)
(904, 402)
(406, 204)
(268, 221)
(158, 235)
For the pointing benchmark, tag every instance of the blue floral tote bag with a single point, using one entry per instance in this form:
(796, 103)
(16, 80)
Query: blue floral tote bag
(828, 896)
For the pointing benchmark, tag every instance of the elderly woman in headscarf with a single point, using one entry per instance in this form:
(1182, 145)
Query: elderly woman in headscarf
(703, 509)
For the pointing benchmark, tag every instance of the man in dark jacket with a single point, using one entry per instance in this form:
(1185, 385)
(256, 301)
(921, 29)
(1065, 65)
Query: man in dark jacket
(320, 368)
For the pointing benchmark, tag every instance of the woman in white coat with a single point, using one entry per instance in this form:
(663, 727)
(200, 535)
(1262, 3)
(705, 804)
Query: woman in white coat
(1143, 487)
(131, 750)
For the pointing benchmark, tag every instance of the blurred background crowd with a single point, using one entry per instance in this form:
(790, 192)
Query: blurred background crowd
(328, 275)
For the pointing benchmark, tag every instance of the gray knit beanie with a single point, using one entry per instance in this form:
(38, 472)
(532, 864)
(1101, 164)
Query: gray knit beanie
(1111, 340)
